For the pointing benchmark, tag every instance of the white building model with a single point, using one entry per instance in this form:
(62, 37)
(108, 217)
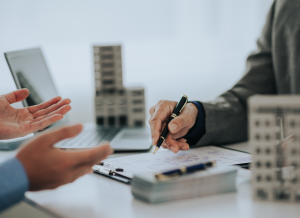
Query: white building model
(274, 133)
(115, 105)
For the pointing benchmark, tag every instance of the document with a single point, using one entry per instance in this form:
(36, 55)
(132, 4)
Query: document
(167, 160)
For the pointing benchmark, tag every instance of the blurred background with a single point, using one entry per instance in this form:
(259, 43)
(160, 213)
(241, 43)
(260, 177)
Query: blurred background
(171, 47)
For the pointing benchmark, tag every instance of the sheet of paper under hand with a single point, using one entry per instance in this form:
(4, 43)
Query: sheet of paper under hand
(166, 160)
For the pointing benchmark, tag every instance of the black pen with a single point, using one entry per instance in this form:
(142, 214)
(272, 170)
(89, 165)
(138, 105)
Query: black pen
(177, 110)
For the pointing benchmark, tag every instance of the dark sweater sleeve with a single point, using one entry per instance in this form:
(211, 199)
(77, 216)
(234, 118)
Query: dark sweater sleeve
(198, 130)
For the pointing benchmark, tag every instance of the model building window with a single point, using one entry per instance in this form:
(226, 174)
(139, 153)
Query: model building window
(108, 82)
(108, 73)
(137, 101)
(109, 91)
(105, 57)
(111, 121)
(110, 102)
(262, 194)
(137, 93)
(138, 123)
(111, 110)
(100, 111)
(123, 120)
(104, 65)
(122, 101)
(106, 48)
(121, 92)
(137, 110)
(282, 194)
(100, 120)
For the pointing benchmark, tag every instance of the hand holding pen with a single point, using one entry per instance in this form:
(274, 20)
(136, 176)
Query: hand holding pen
(178, 127)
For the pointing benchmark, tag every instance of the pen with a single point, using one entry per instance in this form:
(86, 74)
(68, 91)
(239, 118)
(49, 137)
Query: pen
(183, 170)
(177, 110)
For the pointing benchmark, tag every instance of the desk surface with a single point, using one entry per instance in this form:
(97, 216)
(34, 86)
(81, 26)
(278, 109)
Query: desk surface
(97, 196)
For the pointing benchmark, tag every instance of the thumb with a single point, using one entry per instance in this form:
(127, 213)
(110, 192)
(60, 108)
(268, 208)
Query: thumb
(49, 138)
(17, 96)
(178, 123)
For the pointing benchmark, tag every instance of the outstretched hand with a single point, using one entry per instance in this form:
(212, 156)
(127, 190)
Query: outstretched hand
(20, 122)
(48, 167)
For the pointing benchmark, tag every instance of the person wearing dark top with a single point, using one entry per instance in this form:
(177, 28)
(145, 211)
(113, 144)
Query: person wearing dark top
(273, 69)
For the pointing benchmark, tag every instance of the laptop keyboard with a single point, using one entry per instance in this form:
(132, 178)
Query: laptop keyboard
(89, 137)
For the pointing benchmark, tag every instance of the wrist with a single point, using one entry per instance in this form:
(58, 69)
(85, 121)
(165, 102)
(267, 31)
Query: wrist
(198, 129)
(194, 112)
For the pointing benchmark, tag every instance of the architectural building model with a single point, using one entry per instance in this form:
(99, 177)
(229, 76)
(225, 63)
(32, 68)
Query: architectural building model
(115, 105)
(274, 133)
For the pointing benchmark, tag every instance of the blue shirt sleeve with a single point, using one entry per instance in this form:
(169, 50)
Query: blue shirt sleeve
(198, 130)
(13, 183)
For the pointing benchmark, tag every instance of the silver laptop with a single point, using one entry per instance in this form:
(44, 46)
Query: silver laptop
(29, 70)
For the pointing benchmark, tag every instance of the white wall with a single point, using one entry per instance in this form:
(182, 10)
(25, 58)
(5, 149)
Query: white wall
(171, 47)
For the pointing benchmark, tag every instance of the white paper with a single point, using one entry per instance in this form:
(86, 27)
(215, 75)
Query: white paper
(166, 160)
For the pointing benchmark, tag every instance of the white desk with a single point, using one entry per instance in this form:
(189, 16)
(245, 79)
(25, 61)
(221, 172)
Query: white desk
(97, 196)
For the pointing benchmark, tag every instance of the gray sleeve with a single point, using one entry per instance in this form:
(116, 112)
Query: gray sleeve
(226, 117)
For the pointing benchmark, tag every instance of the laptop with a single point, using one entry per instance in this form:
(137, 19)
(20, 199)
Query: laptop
(29, 70)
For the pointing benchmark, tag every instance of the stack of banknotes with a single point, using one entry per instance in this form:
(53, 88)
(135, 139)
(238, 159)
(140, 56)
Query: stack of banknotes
(217, 179)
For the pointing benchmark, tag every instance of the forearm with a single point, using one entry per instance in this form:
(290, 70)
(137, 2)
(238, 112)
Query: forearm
(221, 121)
(226, 121)
(13, 183)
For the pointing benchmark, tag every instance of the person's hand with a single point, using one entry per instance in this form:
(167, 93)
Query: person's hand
(20, 122)
(178, 127)
(48, 167)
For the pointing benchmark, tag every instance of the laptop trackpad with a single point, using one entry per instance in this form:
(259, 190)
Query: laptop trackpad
(132, 135)
(132, 139)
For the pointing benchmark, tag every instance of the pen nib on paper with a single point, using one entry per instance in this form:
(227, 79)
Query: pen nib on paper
(155, 150)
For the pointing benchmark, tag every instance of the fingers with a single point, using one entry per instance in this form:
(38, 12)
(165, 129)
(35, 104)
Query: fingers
(164, 146)
(155, 127)
(51, 137)
(181, 140)
(159, 114)
(84, 160)
(52, 108)
(17, 96)
(179, 123)
(79, 172)
(152, 109)
(175, 145)
(180, 134)
(71, 176)
(42, 124)
(91, 156)
(186, 119)
(62, 111)
(43, 105)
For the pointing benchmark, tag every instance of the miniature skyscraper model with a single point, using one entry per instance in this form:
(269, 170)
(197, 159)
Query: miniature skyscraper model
(274, 135)
(115, 105)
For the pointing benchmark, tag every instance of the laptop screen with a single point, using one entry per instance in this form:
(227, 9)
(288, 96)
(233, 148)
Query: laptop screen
(29, 70)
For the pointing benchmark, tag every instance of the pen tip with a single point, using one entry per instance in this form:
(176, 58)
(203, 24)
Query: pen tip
(155, 150)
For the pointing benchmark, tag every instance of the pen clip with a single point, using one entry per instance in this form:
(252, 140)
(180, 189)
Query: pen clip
(186, 101)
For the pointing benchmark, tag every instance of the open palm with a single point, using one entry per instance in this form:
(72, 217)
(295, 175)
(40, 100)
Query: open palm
(20, 122)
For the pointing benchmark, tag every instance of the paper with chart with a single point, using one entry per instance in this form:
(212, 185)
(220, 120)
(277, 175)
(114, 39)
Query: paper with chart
(166, 160)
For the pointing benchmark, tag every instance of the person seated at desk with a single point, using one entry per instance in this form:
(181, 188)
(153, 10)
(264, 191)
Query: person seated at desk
(38, 165)
(274, 68)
